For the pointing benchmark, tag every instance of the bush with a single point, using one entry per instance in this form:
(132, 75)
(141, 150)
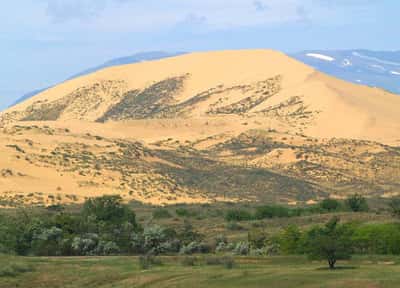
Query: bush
(290, 240)
(238, 215)
(330, 205)
(257, 238)
(357, 203)
(154, 238)
(106, 248)
(47, 242)
(377, 239)
(85, 245)
(109, 209)
(221, 239)
(272, 211)
(241, 248)
(195, 247)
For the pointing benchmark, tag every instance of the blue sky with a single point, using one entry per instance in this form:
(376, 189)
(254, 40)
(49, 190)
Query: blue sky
(43, 42)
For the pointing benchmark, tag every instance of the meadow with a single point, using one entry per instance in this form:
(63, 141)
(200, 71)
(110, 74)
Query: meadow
(274, 271)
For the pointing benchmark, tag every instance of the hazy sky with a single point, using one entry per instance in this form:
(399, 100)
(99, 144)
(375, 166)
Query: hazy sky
(45, 41)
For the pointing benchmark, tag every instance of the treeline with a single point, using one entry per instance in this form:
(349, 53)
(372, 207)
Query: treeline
(104, 226)
(355, 203)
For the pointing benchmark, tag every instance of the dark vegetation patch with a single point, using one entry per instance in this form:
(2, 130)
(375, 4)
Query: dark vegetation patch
(149, 103)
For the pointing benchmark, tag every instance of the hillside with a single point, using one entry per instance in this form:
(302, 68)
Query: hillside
(252, 125)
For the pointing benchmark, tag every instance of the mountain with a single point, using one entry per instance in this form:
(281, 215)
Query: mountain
(138, 57)
(372, 68)
(248, 125)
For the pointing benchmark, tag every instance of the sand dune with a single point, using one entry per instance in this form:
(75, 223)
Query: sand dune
(206, 105)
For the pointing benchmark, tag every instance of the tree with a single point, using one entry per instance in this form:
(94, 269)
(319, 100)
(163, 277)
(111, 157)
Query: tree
(109, 208)
(289, 240)
(330, 204)
(331, 242)
(357, 203)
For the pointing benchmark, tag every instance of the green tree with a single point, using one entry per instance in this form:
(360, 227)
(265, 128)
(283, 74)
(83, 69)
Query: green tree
(109, 208)
(357, 203)
(331, 242)
(330, 204)
(290, 240)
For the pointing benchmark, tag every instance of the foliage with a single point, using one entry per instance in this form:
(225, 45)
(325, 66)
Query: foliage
(331, 242)
(108, 209)
(357, 203)
(272, 211)
(330, 204)
(377, 239)
(238, 215)
(257, 238)
(290, 240)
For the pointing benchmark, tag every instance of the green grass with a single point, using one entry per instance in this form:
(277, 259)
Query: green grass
(372, 271)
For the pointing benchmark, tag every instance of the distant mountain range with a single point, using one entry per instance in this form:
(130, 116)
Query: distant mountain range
(371, 68)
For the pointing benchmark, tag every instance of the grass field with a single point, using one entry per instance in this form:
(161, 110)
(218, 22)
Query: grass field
(282, 272)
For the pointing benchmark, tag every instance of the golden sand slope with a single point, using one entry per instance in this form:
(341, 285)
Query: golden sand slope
(315, 103)
(229, 125)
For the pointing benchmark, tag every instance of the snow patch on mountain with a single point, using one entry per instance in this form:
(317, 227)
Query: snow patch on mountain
(375, 59)
(378, 67)
(321, 57)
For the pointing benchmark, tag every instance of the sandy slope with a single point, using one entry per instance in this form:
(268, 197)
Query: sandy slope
(341, 109)
(215, 98)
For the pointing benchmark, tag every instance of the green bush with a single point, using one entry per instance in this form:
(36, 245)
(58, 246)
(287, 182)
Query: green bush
(238, 215)
(357, 203)
(289, 240)
(377, 239)
(272, 211)
(330, 205)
